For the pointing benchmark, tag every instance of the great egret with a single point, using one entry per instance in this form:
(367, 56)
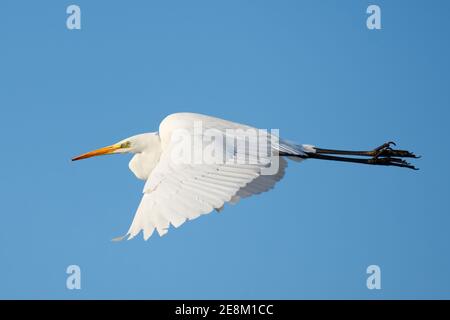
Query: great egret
(176, 191)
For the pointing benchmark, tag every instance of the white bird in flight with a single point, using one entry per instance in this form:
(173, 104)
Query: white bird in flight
(176, 191)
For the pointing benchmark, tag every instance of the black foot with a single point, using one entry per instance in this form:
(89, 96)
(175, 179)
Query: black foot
(388, 161)
(385, 150)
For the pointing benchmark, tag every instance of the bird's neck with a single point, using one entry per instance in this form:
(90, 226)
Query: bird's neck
(143, 162)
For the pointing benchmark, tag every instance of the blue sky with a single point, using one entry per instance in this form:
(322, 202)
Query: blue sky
(310, 68)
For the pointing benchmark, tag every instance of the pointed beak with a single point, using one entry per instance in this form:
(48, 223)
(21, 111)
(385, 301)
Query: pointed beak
(98, 152)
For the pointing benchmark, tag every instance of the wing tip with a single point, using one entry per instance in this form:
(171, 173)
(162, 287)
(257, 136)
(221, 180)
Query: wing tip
(118, 239)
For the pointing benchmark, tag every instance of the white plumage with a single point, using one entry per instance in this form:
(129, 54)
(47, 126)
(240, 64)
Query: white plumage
(176, 191)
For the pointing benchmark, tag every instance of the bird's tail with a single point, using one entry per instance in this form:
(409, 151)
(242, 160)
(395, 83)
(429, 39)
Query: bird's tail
(294, 151)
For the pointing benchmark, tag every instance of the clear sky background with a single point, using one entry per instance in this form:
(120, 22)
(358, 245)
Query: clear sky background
(310, 68)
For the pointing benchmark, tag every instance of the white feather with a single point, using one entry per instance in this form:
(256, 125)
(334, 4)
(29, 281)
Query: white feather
(176, 192)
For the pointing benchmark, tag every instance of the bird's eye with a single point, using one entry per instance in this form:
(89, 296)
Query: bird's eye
(125, 145)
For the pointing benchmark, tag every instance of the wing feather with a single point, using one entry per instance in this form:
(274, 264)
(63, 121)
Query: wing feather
(177, 192)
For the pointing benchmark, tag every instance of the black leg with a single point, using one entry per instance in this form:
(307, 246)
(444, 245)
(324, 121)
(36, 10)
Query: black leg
(383, 155)
(385, 150)
(380, 161)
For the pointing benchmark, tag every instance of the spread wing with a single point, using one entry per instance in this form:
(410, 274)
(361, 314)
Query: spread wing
(179, 191)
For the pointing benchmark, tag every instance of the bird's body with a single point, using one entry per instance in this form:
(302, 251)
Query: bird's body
(144, 161)
(197, 163)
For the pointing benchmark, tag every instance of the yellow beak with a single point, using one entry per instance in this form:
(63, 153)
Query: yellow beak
(98, 152)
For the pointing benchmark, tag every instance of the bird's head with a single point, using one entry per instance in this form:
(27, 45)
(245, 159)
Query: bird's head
(134, 144)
